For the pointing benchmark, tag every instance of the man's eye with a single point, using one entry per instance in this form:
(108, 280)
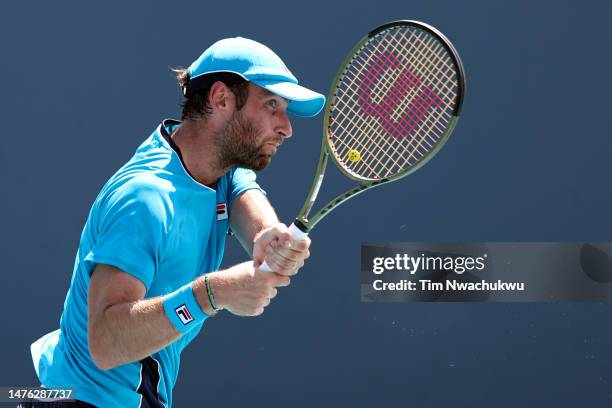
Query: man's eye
(273, 103)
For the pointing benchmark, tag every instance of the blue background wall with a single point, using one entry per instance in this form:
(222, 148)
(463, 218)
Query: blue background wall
(83, 84)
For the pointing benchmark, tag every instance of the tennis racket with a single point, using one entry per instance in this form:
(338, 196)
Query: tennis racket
(393, 104)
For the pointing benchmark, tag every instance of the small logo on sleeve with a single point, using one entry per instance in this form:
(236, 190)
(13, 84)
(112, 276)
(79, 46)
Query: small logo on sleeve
(183, 314)
(221, 212)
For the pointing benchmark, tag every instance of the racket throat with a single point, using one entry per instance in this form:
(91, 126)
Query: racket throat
(302, 219)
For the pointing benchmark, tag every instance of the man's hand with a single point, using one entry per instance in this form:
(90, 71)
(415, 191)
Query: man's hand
(283, 254)
(243, 289)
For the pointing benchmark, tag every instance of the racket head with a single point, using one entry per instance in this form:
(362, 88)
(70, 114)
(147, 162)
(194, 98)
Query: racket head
(394, 102)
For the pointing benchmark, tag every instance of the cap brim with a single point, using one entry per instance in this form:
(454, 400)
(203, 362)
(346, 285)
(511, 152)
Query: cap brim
(302, 101)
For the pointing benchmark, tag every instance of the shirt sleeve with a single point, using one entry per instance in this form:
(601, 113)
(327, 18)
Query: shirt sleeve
(129, 233)
(242, 180)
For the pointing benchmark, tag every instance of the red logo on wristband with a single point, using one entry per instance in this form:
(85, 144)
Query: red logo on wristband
(183, 314)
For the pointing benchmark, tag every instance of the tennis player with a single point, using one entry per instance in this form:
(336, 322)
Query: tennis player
(146, 275)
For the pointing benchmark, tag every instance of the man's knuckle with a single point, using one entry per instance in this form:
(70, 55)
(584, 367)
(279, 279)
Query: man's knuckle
(271, 282)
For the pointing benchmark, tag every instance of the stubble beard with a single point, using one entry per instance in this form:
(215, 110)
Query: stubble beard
(237, 144)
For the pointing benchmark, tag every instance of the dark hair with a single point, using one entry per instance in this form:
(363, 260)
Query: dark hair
(196, 104)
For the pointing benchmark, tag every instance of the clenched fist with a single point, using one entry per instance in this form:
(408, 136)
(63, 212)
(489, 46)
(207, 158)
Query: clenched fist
(244, 290)
(283, 254)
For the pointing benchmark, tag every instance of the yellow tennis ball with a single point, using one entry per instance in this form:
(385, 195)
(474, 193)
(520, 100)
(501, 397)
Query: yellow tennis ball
(354, 156)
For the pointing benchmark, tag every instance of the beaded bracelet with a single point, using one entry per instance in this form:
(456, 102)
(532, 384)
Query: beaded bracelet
(211, 296)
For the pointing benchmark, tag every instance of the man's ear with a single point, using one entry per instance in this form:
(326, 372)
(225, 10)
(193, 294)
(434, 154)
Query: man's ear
(221, 98)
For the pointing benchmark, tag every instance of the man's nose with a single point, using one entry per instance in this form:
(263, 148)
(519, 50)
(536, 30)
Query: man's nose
(283, 128)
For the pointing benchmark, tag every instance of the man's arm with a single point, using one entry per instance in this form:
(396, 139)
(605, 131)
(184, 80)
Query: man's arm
(251, 213)
(253, 220)
(124, 327)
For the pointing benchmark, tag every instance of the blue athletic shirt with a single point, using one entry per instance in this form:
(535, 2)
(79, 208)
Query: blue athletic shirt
(155, 222)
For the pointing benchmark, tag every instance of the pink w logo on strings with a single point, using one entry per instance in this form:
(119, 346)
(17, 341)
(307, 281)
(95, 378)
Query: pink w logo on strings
(384, 110)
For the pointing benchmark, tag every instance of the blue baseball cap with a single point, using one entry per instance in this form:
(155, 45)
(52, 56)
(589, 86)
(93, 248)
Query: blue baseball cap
(258, 64)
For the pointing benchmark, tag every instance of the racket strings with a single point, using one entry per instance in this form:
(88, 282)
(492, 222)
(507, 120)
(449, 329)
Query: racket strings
(429, 47)
(436, 51)
(418, 109)
(392, 104)
(407, 90)
(362, 120)
(355, 120)
(367, 143)
(412, 58)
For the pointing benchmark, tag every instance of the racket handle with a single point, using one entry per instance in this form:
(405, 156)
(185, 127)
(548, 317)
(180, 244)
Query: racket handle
(296, 233)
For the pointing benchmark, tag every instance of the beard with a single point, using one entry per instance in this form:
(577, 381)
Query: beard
(237, 144)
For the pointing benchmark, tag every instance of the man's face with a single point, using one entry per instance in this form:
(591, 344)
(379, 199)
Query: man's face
(252, 135)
